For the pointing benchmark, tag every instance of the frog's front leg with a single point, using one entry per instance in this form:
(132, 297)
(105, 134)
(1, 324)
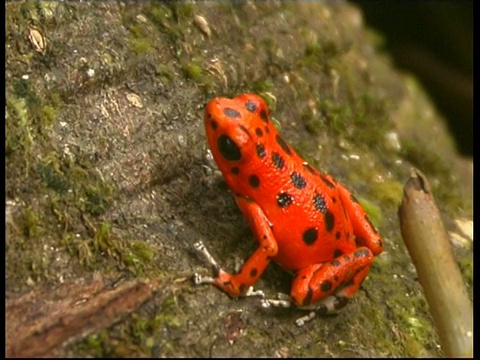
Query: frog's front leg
(327, 287)
(365, 232)
(241, 282)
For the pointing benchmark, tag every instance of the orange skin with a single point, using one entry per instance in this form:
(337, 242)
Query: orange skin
(302, 219)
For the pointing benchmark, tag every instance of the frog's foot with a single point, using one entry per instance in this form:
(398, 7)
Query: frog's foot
(282, 300)
(221, 276)
(251, 292)
(306, 318)
(285, 301)
(330, 305)
(199, 279)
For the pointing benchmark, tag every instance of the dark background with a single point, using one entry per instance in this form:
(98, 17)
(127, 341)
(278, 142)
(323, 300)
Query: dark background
(434, 41)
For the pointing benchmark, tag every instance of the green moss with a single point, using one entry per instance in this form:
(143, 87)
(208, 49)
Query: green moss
(159, 12)
(85, 255)
(418, 330)
(171, 18)
(362, 121)
(137, 30)
(30, 223)
(141, 38)
(38, 12)
(145, 329)
(166, 316)
(260, 86)
(164, 72)
(389, 191)
(140, 336)
(312, 55)
(28, 118)
(368, 116)
(90, 251)
(66, 242)
(53, 178)
(271, 101)
(47, 9)
(141, 46)
(94, 345)
(48, 115)
(466, 267)
(182, 10)
(434, 167)
(18, 128)
(374, 211)
(333, 115)
(40, 113)
(193, 71)
(369, 320)
(25, 258)
(277, 63)
(413, 346)
(314, 123)
(138, 255)
(325, 54)
(98, 198)
(452, 203)
(93, 195)
(108, 251)
(423, 160)
(103, 241)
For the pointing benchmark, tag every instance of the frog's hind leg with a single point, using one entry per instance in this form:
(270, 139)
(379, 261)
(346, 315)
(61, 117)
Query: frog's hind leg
(343, 274)
(331, 304)
(327, 287)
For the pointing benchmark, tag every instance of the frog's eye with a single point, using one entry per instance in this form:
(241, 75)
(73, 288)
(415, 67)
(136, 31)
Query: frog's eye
(251, 106)
(228, 149)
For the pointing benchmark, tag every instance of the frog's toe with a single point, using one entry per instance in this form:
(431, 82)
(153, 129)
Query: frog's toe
(266, 303)
(199, 279)
(306, 318)
(251, 292)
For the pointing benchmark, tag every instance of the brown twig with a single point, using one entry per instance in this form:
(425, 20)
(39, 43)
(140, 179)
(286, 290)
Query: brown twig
(427, 242)
(42, 320)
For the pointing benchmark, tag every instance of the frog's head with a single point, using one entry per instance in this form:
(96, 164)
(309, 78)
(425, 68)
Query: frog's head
(235, 128)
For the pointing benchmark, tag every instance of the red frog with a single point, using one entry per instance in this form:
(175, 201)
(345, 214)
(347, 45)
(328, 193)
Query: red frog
(303, 219)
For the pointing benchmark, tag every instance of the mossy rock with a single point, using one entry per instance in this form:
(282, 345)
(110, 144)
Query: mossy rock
(107, 168)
